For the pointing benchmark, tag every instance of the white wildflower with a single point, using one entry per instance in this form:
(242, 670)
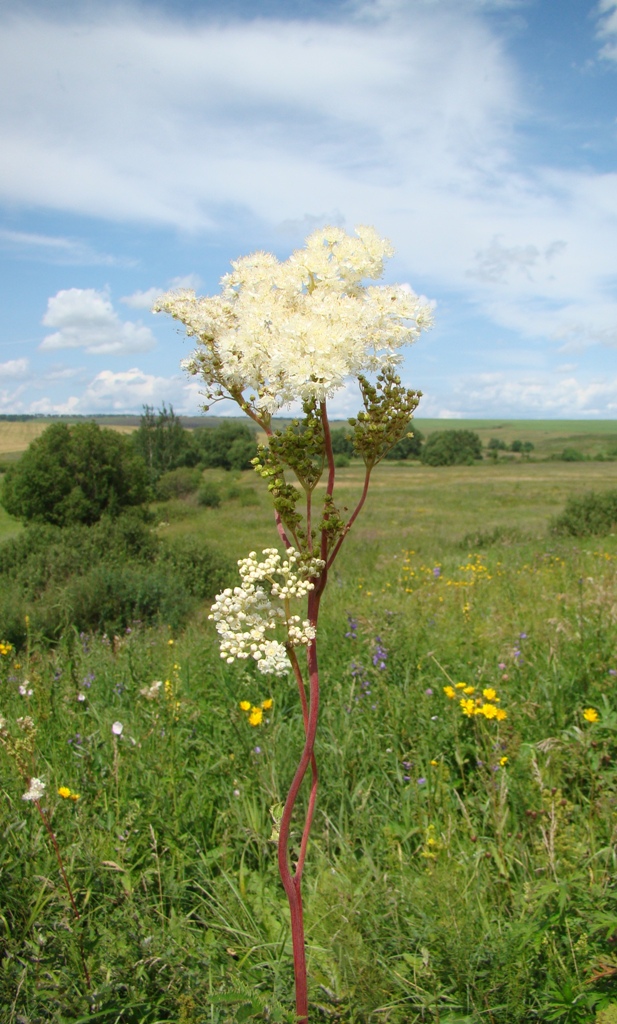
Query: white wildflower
(298, 330)
(152, 692)
(25, 689)
(35, 790)
(117, 728)
(247, 616)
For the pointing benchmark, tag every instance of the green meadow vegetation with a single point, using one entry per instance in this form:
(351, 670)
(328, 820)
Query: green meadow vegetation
(462, 866)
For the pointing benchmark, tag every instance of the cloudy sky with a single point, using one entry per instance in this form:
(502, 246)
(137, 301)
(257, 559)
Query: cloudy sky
(146, 145)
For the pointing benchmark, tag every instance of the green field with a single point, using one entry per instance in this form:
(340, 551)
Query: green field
(461, 870)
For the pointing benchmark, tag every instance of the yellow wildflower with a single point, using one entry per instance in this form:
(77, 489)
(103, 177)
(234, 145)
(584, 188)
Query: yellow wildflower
(449, 691)
(461, 686)
(590, 715)
(267, 704)
(245, 705)
(488, 710)
(500, 714)
(74, 796)
(469, 690)
(490, 693)
(64, 792)
(256, 716)
(434, 763)
(170, 643)
(503, 761)
(468, 708)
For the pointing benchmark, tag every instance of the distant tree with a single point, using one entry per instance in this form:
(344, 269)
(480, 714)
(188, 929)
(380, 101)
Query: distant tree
(162, 442)
(74, 475)
(227, 446)
(497, 445)
(342, 441)
(452, 448)
(408, 447)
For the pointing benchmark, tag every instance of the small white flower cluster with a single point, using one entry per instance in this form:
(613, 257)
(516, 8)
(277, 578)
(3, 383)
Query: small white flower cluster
(35, 790)
(246, 615)
(298, 330)
(153, 691)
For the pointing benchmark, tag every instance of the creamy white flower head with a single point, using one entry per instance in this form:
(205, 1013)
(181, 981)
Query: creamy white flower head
(247, 616)
(298, 330)
(35, 790)
(117, 728)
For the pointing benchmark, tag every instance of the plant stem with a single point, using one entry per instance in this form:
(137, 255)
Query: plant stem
(54, 843)
(292, 882)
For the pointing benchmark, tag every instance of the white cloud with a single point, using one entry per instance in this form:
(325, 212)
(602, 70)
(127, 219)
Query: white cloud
(14, 368)
(142, 300)
(86, 319)
(145, 299)
(409, 116)
(534, 395)
(607, 28)
(57, 249)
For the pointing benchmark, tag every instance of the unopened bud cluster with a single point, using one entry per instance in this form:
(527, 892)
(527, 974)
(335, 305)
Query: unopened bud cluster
(247, 617)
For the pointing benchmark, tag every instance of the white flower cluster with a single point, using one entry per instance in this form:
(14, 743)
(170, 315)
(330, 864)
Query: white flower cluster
(35, 790)
(298, 330)
(246, 616)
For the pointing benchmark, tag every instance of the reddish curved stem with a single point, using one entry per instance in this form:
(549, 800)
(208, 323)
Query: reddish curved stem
(292, 881)
(314, 774)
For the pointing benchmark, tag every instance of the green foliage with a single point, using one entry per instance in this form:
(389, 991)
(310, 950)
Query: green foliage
(522, 446)
(209, 495)
(444, 889)
(496, 444)
(227, 446)
(409, 447)
(178, 483)
(591, 514)
(162, 442)
(452, 448)
(571, 455)
(446, 886)
(342, 441)
(102, 577)
(388, 407)
(74, 475)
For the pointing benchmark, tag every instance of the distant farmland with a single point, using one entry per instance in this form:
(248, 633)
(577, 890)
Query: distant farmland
(549, 437)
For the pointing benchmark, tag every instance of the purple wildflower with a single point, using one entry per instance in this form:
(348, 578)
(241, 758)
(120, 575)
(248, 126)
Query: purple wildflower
(353, 626)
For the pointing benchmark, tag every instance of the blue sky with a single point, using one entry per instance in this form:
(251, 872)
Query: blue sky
(147, 145)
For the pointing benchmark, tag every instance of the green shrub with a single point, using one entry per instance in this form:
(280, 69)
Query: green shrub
(163, 443)
(590, 514)
(227, 446)
(571, 455)
(74, 475)
(452, 448)
(202, 570)
(102, 577)
(409, 447)
(209, 495)
(178, 483)
(341, 461)
(342, 441)
(248, 497)
(110, 597)
(496, 444)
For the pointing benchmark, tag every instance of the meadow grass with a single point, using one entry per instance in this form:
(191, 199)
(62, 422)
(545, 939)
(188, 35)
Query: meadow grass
(461, 869)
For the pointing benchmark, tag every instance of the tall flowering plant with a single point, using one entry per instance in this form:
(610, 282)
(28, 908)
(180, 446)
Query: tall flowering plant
(297, 332)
